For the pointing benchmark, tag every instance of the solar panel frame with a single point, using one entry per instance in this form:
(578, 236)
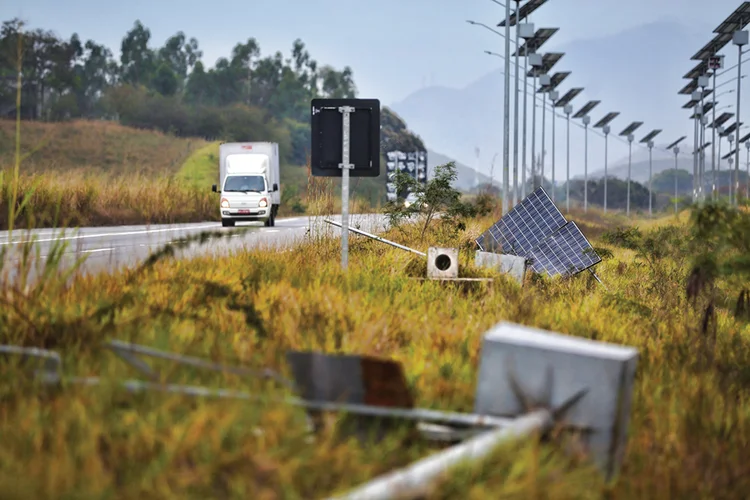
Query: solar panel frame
(606, 119)
(689, 88)
(744, 139)
(566, 252)
(569, 96)
(525, 226)
(721, 120)
(586, 109)
(730, 129)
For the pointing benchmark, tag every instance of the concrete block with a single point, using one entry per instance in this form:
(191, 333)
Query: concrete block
(442, 263)
(512, 265)
(607, 371)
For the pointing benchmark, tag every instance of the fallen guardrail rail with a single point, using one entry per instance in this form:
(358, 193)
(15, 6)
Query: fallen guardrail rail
(529, 381)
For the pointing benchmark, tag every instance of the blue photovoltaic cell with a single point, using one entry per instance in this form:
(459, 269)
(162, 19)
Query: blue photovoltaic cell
(524, 227)
(565, 252)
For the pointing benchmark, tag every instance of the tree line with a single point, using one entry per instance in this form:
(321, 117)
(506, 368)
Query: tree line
(245, 96)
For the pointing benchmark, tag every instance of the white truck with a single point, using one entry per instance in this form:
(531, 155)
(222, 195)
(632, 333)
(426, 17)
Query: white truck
(248, 182)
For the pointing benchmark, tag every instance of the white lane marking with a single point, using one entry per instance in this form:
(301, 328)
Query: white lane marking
(271, 231)
(103, 235)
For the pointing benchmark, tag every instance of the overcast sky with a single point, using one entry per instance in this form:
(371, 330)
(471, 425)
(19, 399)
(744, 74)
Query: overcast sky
(394, 46)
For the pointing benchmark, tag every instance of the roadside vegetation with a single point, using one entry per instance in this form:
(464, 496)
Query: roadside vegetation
(675, 288)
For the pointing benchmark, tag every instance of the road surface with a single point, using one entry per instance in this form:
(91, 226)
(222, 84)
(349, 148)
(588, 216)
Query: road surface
(109, 248)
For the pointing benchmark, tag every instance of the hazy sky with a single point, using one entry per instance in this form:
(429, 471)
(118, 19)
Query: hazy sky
(393, 46)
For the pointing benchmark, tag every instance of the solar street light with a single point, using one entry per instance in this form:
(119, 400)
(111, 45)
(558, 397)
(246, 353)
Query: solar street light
(533, 42)
(650, 143)
(564, 102)
(568, 110)
(747, 176)
(720, 130)
(583, 114)
(545, 81)
(554, 95)
(604, 124)
(730, 138)
(676, 152)
(536, 63)
(703, 83)
(629, 133)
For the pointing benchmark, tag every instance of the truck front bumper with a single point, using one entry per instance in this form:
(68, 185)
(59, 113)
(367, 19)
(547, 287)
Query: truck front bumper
(246, 214)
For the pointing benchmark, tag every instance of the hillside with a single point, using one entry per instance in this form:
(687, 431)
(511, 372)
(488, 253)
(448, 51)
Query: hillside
(94, 147)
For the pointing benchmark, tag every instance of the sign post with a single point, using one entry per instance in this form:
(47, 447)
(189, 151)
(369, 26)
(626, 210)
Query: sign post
(345, 142)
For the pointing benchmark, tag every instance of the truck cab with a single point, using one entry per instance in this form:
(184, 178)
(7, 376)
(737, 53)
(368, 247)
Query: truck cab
(249, 174)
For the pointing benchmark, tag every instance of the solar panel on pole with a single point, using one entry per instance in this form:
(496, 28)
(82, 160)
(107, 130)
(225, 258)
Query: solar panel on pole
(524, 226)
(565, 252)
(523, 12)
(730, 129)
(689, 88)
(569, 96)
(548, 62)
(534, 44)
(555, 81)
(586, 109)
(675, 143)
(721, 120)
(606, 119)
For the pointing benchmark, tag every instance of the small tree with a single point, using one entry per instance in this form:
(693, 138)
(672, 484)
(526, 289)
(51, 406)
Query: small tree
(436, 197)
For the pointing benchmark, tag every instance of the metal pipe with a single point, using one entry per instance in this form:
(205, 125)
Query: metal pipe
(676, 152)
(377, 238)
(650, 172)
(414, 479)
(630, 164)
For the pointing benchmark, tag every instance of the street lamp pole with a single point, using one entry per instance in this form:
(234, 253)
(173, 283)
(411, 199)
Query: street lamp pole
(506, 111)
(650, 172)
(740, 38)
(676, 151)
(630, 163)
(568, 110)
(544, 80)
(606, 131)
(536, 63)
(586, 121)
(730, 138)
(553, 95)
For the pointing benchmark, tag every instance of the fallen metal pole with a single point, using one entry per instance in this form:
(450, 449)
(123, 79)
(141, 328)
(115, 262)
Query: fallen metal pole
(416, 478)
(378, 238)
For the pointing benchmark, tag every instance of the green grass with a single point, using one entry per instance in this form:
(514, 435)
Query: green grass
(201, 169)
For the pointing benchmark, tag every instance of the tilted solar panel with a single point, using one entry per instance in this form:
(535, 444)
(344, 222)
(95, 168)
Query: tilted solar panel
(524, 227)
(565, 252)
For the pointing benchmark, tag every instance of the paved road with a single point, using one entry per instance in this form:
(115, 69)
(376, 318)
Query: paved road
(107, 248)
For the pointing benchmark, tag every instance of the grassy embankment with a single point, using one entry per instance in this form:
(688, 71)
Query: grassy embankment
(90, 173)
(690, 417)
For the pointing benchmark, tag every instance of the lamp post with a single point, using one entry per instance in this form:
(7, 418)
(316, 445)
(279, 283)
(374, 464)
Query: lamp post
(718, 162)
(606, 131)
(544, 81)
(553, 96)
(673, 147)
(730, 138)
(676, 151)
(568, 110)
(702, 83)
(536, 62)
(650, 171)
(747, 174)
(586, 121)
(527, 33)
(629, 133)
(739, 38)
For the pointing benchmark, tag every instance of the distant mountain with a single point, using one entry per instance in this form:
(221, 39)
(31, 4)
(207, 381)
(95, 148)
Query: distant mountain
(465, 176)
(637, 72)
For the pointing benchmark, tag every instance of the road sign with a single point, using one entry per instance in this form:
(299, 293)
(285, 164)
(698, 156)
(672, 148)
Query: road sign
(715, 62)
(328, 137)
(345, 137)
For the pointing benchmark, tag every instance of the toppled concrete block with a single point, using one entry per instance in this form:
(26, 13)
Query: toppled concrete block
(512, 265)
(442, 263)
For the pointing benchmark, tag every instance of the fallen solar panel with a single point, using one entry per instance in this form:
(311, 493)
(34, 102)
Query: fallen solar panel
(537, 230)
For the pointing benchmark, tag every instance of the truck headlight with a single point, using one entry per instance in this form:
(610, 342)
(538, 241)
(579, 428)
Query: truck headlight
(263, 202)
(224, 203)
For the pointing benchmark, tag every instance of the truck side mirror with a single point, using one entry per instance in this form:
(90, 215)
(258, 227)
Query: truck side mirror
(213, 188)
(275, 187)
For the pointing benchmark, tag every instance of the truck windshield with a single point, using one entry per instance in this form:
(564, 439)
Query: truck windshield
(245, 183)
